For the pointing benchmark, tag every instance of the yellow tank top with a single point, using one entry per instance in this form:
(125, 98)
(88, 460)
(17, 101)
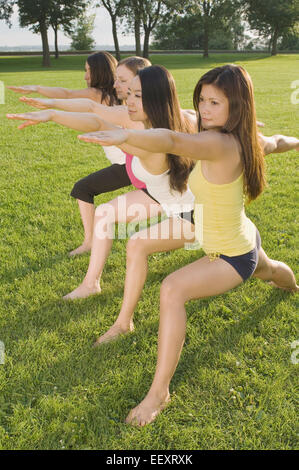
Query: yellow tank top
(221, 225)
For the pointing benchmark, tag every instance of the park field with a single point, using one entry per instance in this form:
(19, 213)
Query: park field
(236, 383)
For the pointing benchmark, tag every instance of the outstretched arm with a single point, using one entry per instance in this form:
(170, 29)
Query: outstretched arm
(201, 146)
(80, 105)
(207, 145)
(58, 92)
(86, 122)
(278, 143)
(94, 138)
(117, 115)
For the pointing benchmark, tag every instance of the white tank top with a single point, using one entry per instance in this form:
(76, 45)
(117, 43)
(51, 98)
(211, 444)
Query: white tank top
(115, 155)
(158, 186)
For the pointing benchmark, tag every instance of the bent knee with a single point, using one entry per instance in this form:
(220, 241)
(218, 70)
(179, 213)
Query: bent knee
(80, 185)
(266, 271)
(106, 210)
(171, 290)
(135, 247)
(82, 191)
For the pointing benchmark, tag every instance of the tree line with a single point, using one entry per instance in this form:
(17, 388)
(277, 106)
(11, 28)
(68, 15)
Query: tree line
(175, 24)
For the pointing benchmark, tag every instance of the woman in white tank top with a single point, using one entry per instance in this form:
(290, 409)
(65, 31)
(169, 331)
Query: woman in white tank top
(115, 155)
(158, 187)
(167, 191)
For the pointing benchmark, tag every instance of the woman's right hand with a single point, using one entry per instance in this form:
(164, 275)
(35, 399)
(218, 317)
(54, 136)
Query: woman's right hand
(40, 103)
(24, 89)
(32, 119)
(106, 138)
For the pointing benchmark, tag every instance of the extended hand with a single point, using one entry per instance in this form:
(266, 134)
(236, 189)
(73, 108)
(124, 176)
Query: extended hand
(115, 137)
(23, 89)
(40, 103)
(32, 118)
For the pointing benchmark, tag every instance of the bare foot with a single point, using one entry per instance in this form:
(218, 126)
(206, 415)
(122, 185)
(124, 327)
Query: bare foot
(147, 411)
(113, 332)
(84, 248)
(293, 290)
(83, 291)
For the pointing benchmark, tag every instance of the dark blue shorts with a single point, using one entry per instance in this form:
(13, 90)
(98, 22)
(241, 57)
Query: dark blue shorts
(245, 264)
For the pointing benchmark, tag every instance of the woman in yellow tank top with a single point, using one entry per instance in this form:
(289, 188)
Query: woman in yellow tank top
(230, 168)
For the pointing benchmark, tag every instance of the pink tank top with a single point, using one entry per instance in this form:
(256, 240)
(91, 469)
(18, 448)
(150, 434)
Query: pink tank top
(135, 181)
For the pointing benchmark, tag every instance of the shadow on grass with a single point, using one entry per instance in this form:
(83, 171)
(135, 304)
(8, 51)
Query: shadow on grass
(33, 267)
(226, 340)
(100, 372)
(58, 311)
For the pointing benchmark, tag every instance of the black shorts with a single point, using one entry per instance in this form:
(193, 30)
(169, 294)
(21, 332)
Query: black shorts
(103, 181)
(245, 264)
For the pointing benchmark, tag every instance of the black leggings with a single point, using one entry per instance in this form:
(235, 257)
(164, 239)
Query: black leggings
(108, 179)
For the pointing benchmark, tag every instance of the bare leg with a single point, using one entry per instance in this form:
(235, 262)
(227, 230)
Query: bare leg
(87, 215)
(139, 247)
(134, 205)
(200, 279)
(279, 274)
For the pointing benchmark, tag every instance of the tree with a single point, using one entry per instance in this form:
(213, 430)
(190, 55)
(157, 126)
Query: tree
(81, 36)
(40, 14)
(205, 23)
(6, 10)
(290, 39)
(132, 16)
(187, 32)
(116, 10)
(150, 11)
(62, 14)
(142, 14)
(180, 32)
(213, 12)
(36, 15)
(272, 19)
(137, 26)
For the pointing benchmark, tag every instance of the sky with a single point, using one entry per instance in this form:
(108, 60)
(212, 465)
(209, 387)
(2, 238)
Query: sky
(16, 36)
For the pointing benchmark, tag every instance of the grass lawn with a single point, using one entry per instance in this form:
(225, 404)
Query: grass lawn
(235, 386)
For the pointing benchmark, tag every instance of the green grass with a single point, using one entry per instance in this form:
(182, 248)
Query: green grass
(235, 385)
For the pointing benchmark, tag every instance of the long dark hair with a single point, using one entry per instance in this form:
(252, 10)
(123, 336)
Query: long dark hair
(102, 75)
(161, 105)
(237, 86)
